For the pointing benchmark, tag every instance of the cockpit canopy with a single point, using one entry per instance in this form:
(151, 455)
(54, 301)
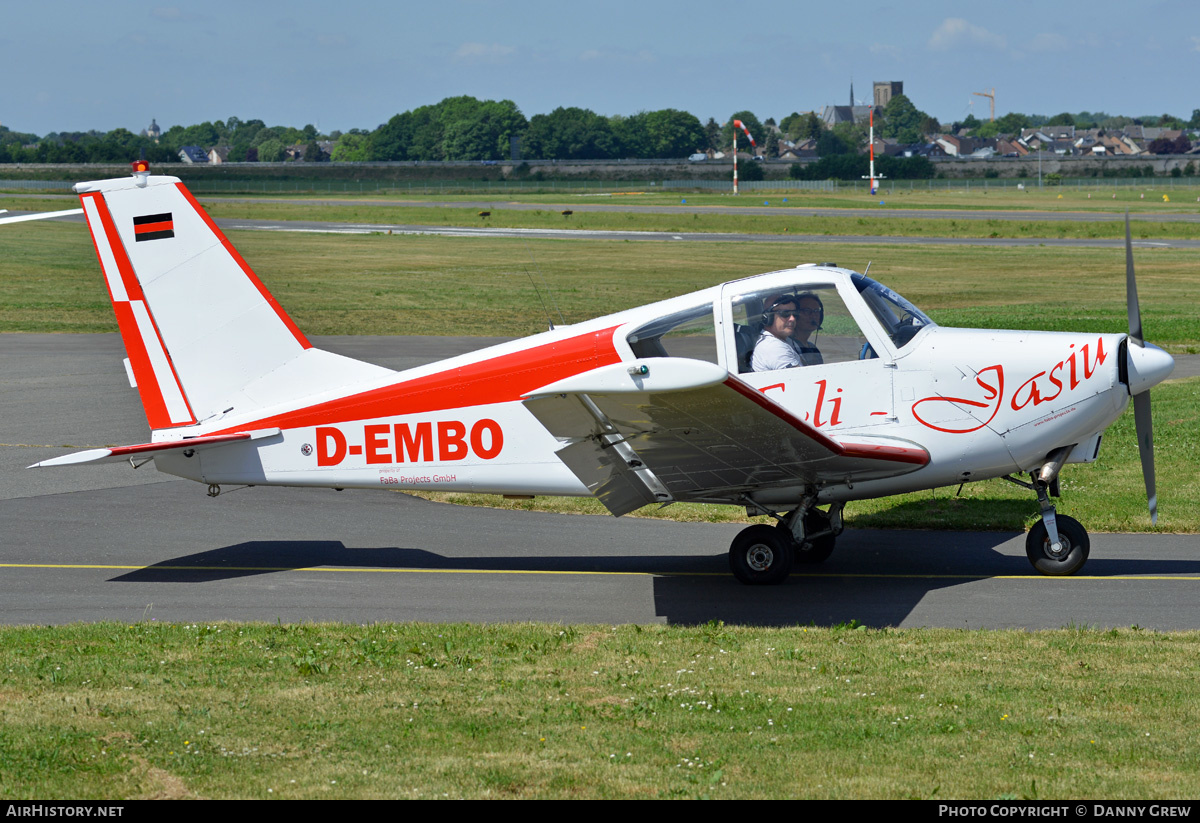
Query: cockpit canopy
(834, 315)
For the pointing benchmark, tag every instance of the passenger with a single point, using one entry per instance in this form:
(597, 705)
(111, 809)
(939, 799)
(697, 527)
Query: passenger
(810, 316)
(788, 322)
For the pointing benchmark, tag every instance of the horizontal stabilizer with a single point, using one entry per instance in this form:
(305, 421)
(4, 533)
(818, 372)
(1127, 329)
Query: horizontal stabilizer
(119, 454)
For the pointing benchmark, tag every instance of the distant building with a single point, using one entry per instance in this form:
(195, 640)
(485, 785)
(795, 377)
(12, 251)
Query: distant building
(193, 154)
(832, 115)
(218, 154)
(152, 131)
(885, 91)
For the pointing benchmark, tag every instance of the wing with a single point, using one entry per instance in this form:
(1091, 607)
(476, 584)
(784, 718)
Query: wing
(668, 429)
(41, 215)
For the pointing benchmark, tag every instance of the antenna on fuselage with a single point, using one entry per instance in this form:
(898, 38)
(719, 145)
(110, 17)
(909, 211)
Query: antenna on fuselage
(538, 291)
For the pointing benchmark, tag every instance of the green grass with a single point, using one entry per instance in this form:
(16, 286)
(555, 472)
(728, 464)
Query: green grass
(784, 223)
(534, 711)
(1146, 197)
(380, 284)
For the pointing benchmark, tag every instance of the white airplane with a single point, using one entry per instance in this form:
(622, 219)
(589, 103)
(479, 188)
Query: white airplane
(651, 405)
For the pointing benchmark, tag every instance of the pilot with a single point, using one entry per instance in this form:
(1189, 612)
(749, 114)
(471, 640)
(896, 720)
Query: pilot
(776, 348)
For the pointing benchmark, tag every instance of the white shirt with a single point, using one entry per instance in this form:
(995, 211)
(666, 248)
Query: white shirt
(771, 353)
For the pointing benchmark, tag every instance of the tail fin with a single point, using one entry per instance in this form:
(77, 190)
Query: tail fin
(202, 332)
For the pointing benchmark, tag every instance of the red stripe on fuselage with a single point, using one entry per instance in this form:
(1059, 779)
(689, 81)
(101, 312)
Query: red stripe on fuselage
(249, 272)
(500, 379)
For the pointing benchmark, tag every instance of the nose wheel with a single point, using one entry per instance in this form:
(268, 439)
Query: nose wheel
(1056, 545)
(1069, 555)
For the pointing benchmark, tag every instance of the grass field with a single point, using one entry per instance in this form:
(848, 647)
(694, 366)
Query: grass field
(398, 284)
(785, 222)
(1183, 197)
(535, 711)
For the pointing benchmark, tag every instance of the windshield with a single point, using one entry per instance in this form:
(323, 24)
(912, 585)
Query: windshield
(899, 318)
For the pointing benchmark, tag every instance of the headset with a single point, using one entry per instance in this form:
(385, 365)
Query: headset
(768, 316)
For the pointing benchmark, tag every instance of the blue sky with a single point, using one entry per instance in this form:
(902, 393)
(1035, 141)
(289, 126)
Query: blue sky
(73, 66)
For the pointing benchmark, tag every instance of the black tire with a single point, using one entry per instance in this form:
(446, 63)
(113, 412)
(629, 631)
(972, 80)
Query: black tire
(812, 551)
(761, 556)
(1075, 547)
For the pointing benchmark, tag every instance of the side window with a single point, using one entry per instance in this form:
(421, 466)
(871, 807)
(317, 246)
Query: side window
(799, 326)
(688, 333)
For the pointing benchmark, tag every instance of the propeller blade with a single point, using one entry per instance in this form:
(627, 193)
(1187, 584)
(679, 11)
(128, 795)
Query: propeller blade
(1145, 438)
(1131, 296)
(1143, 423)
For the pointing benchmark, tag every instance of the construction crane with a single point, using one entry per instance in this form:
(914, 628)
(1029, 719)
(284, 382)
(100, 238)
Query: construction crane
(991, 96)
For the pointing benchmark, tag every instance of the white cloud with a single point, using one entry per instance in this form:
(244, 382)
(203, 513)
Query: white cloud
(956, 33)
(1049, 42)
(484, 52)
(884, 50)
(640, 56)
(1195, 43)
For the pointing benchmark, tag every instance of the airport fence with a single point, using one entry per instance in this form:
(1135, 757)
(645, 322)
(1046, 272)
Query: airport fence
(35, 185)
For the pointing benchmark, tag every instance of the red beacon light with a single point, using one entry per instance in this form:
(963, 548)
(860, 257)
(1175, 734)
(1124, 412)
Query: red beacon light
(141, 171)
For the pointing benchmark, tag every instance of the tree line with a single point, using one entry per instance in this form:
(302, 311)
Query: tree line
(465, 128)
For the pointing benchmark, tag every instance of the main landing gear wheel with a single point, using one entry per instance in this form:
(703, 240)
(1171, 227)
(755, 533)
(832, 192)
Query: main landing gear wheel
(816, 550)
(761, 555)
(1075, 547)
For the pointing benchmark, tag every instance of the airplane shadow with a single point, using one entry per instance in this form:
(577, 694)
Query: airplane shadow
(271, 556)
(874, 577)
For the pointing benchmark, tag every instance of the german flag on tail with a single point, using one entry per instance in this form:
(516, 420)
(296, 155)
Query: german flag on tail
(153, 227)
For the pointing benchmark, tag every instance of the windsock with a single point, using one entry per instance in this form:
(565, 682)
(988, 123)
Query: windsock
(737, 124)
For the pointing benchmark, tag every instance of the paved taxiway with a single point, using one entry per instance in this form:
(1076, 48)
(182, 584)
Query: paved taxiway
(108, 542)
